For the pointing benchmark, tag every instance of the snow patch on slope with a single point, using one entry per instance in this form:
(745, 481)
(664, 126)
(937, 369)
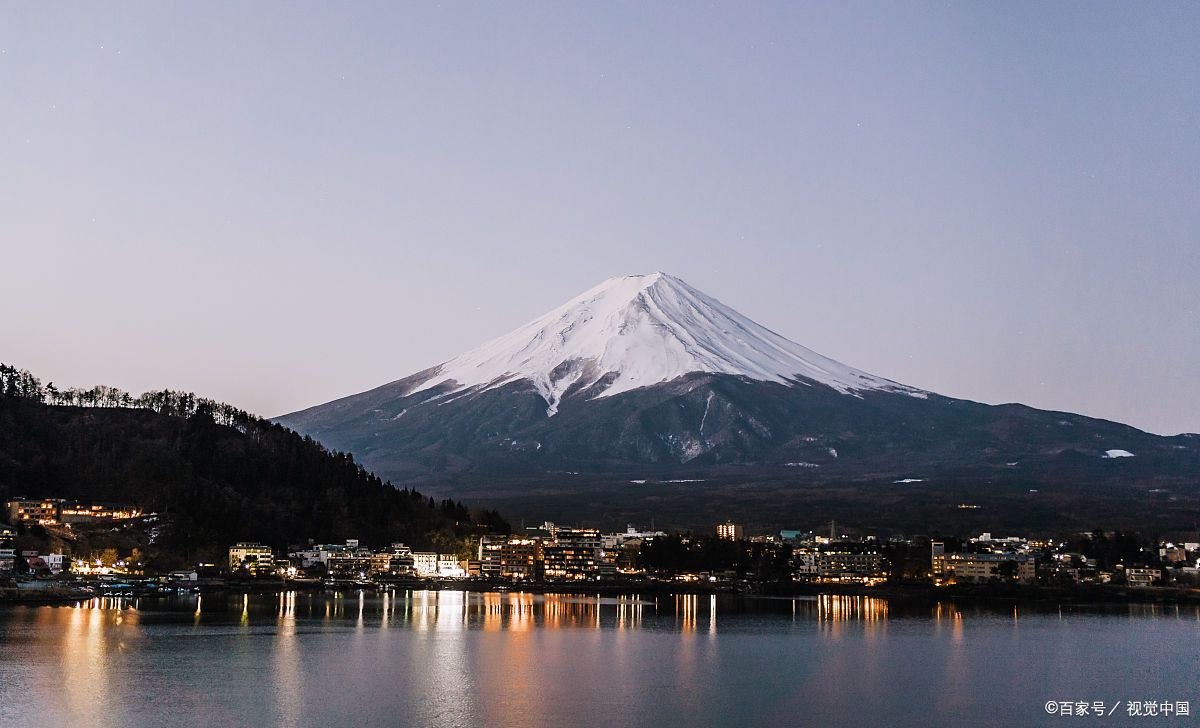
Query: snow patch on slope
(639, 331)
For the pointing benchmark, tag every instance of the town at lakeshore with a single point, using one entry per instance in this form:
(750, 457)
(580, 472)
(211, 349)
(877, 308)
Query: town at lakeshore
(1098, 565)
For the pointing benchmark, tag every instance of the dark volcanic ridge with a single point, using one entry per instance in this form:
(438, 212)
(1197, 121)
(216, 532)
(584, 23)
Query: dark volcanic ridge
(645, 378)
(705, 420)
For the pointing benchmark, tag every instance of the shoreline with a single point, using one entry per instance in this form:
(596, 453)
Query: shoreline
(914, 593)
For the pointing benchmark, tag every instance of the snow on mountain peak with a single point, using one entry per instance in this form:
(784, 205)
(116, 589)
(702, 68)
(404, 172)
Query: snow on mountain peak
(636, 331)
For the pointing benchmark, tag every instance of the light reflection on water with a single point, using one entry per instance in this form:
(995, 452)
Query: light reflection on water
(506, 658)
(449, 610)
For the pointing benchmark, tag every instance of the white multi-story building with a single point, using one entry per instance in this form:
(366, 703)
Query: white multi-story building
(425, 563)
(449, 568)
(57, 563)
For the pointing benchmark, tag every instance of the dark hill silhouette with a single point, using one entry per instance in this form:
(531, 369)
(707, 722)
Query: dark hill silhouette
(214, 474)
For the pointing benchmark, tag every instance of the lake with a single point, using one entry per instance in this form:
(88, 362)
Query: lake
(451, 658)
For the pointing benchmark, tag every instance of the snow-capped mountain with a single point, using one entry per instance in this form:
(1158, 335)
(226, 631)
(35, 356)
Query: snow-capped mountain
(638, 331)
(648, 372)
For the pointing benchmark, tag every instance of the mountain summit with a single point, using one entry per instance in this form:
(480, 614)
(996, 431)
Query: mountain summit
(638, 331)
(646, 372)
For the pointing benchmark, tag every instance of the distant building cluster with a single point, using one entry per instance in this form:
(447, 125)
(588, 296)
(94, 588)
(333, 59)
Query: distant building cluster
(550, 553)
(557, 553)
(983, 559)
(55, 511)
(30, 559)
(345, 561)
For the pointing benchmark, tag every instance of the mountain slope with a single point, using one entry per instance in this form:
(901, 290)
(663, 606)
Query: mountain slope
(645, 372)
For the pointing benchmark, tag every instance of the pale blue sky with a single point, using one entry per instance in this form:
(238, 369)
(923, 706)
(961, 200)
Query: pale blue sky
(278, 204)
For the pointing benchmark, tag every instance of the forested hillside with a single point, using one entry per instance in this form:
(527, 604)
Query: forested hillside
(214, 474)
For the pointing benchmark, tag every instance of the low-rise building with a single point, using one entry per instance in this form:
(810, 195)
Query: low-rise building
(253, 556)
(613, 541)
(315, 554)
(448, 567)
(1172, 554)
(627, 558)
(350, 564)
(57, 563)
(840, 561)
(1187, 575)
(53, 511)
(75, 512)
(988, 567)
(44, 511)
(1138, 576)
(1008, 543)
(395, 561)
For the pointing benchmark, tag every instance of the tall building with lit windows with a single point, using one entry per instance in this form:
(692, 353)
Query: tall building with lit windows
(8, 553)
(573, 553)
(729, 531)
(937, 559)
(521, 558)
(491, 553)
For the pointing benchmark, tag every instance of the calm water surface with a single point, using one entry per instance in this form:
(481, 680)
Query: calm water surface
(506, 659)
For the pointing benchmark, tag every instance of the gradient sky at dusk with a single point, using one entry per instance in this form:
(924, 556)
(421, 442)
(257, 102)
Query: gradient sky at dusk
(279, 204)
